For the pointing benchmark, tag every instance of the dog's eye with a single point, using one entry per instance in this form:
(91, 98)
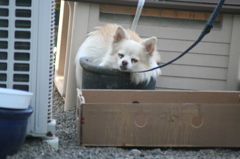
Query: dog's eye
(120, 55)
(134, 60)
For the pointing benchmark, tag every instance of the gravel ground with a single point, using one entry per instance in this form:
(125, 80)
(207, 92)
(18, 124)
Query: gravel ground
(35, 148)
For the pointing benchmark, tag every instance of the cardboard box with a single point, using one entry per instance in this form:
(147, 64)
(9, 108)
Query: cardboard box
(158, 118)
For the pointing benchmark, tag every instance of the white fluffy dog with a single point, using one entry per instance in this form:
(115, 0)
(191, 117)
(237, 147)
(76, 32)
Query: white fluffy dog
(115, 47)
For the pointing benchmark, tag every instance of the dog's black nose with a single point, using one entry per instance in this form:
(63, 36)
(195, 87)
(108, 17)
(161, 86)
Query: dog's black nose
(124, 63)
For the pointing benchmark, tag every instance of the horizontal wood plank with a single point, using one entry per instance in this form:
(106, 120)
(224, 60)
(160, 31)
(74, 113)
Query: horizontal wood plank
(202, 47)
(222, 34)
(228, 2)
(194, 72)
(190, 83)
(195, 59)
(165, 29)
(170, 5)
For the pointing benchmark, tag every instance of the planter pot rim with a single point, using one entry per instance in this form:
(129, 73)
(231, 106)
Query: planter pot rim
(87, 65)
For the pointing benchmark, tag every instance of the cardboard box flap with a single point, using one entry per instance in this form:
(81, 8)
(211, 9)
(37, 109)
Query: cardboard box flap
(144, 96)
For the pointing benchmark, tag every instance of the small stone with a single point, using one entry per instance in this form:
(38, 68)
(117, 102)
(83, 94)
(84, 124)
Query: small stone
(135, 152)
(116, 156)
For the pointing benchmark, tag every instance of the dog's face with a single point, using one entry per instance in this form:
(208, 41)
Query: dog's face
(132, 55)
(128, 54)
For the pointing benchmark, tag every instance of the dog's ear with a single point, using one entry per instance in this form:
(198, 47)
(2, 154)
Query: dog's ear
(150, 44)
(119, 35)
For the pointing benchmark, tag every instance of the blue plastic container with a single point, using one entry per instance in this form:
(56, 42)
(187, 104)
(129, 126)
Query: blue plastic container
(13, 126)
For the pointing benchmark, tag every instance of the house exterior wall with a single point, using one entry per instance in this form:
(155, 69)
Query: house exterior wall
(230, 6)
(212, 65)
(206, 67)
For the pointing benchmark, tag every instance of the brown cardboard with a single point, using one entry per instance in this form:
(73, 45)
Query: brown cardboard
(160, 118)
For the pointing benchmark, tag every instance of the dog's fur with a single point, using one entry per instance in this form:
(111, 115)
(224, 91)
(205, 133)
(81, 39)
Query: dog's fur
(114, 47)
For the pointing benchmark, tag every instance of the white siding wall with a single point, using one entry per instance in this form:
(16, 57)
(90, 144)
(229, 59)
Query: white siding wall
(203, 68)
